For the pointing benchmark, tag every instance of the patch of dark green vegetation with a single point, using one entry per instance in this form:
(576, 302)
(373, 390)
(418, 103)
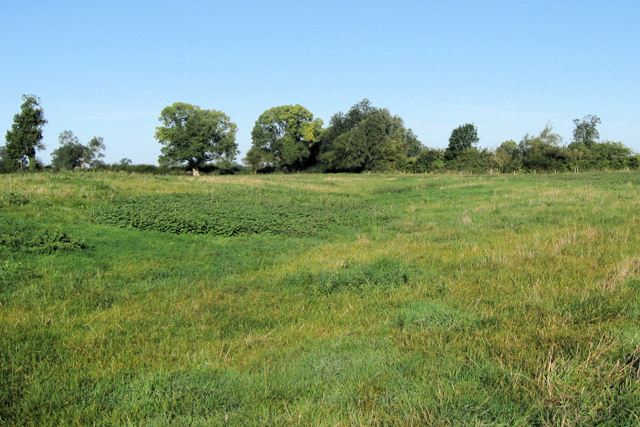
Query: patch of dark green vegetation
(383, 274)
(12, 199)
(231, 213)
(426, 314)
(17, 236)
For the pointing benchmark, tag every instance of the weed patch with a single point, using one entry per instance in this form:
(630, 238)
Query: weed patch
(230, 213)
(17, 236)
(12, 199)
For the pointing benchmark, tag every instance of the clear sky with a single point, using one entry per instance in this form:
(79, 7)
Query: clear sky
(107, 68)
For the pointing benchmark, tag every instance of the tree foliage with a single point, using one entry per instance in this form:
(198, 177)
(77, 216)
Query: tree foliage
(507, 156)
(284, 138)
(429, 160)
(25, 135)
(194, 137)
(368, 139)
(462, 138)
(289, 138)
(72, 154)
(585, 133)
(543, 151)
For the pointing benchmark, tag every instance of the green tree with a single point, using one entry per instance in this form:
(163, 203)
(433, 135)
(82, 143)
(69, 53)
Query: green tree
(507, 156)
(72, 154)
(284, 138)
(96, 149)
(429, 160)
(543, 151)
(462, 138)
(601, 155)
(585, 133)
(5, 165)
(258, 159)
(194, 137)
(25, 135)
(473, 160)
(368, 139)
(587, 152)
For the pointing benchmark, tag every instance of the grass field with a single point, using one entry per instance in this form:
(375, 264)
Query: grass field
(320, 299)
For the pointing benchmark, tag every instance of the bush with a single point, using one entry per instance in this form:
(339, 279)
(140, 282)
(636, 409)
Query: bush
(601, 155)
(429, 160)
(473, 160)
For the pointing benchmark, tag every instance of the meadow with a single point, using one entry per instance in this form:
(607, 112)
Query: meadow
(310, 299)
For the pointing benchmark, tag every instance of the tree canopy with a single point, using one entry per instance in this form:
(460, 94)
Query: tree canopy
(25, 135)
(194, 137)
(284, 138)
(367, 138)
(72, 154)
(462, 138)
(585, 133)
(289, 138)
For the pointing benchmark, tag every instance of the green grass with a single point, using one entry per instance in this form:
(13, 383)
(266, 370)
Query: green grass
(320, 299)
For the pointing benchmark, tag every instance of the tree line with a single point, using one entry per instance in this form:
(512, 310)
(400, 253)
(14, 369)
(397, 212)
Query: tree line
(289, 138)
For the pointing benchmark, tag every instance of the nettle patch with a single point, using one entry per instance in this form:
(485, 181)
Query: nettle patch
(12, 199)
(231, 213)
(16, 236)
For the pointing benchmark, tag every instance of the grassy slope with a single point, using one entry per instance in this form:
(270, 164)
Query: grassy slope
(444, 299)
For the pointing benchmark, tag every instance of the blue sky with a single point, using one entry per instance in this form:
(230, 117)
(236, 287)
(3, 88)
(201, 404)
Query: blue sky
(108, 67)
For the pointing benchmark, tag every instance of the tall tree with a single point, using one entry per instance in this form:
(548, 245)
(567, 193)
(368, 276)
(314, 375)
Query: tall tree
(284, 138)
(462, 138)
(96, 149)
(25, 135)
(4, 162)
(194, 137)
(72, 154)
(367, 138)
(585, 133)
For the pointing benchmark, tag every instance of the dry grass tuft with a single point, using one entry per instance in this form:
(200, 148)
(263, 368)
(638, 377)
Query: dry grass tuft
(625, 270)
